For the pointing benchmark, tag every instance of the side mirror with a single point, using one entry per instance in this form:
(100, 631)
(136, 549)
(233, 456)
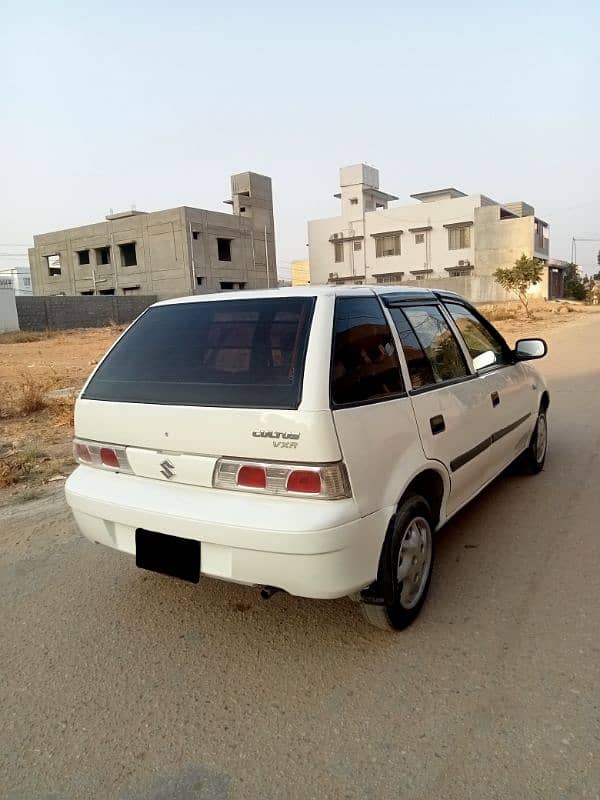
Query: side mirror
(484, 360)
(526, 349)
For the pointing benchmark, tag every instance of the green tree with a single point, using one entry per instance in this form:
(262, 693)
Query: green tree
(527, 272)
(575, 288)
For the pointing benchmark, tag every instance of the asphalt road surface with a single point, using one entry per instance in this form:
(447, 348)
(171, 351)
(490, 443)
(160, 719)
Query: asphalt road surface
(116, 683)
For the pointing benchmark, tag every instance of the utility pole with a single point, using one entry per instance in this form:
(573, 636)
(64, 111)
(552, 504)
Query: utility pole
(267, 257)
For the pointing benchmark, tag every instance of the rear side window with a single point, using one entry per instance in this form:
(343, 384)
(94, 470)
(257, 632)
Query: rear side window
(365, 366)
(431, 349)
(227, 353)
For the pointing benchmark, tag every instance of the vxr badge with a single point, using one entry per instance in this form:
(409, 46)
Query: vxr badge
(167, 468)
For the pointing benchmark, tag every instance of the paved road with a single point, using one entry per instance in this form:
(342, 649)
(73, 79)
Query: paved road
(119, 684)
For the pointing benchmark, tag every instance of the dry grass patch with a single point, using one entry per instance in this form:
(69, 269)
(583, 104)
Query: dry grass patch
(62, 411)
(22, 337)
(21, 465)
(31, 395)
(498, 313)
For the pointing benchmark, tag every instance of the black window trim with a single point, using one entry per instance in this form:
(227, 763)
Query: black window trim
(371, 401)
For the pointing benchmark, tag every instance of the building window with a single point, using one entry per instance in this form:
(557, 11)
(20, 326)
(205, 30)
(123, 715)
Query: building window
(389, 277)
(54, 265)
(195, 234)
(357, 244)
(224, 249)
(242, 209)
(459, 237)
(131, 289)
(338, 252)
(103, 255)
(227, 286)
(128, 254)
(26, 281)
(354, 201)
(419, 238)
(365, 366)
(459, 273)
(107, 291)
(84, 257)
(540, 234)
(87, 292)
(199, 280)
(387, 245)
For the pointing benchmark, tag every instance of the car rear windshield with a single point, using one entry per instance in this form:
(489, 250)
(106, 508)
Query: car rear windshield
(228, 353)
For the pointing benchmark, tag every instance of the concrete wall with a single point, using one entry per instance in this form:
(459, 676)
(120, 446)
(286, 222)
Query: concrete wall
(476, 288)
(8, 309)
(63, 313)
(500, 242)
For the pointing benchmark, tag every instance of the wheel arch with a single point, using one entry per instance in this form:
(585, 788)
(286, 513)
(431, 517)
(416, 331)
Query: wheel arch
(431, 484)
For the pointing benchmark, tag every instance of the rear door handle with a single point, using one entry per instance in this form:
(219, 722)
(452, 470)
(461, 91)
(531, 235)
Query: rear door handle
(437, 424)
(495, 399)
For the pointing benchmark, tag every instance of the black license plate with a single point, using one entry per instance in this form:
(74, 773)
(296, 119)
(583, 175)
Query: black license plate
(169, 555)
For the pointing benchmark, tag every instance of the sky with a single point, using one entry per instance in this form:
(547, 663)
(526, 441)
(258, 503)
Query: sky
(156, 104)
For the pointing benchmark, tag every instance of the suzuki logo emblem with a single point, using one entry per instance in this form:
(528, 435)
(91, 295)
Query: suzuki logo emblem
(167, 469)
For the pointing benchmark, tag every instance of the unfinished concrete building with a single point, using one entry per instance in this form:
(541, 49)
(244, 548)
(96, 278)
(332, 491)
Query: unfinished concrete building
(168, 253)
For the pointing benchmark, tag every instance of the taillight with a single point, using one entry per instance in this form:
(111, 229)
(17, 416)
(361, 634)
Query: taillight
(109, 458)
(98, 454)
(326, 481)
(305, 481)
(252, 477)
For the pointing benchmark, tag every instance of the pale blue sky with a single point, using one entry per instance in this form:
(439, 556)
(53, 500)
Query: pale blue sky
(109, 104)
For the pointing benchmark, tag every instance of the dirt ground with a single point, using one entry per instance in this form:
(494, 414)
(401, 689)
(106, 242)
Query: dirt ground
(36, 432)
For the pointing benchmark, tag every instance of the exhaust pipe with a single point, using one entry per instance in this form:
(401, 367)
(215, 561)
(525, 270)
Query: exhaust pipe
(267, 592)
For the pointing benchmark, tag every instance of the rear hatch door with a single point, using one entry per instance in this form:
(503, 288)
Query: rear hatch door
(190, 382)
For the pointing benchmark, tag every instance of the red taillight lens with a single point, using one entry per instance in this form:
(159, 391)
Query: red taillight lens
(82, 453)
(304, 480)
(109, 457)
(252, 477)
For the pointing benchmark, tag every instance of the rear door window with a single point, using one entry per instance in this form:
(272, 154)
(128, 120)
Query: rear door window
(365, 365)
(228, 353)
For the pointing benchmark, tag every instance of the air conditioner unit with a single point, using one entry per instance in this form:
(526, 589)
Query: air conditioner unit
(333, 276)
(465, 263)
(335, 236)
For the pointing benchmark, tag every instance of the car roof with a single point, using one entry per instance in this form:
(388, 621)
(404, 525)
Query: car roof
(311, 291)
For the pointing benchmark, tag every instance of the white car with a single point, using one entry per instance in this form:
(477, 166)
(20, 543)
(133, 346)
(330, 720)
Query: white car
(309, 440)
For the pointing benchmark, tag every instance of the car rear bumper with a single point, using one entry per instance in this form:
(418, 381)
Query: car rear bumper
(308, 547)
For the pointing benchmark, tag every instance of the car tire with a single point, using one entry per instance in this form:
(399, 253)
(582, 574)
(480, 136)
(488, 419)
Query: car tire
(405, 567)
(533, 459)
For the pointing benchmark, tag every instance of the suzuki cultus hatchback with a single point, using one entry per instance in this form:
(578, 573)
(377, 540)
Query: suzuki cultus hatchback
(306, 440)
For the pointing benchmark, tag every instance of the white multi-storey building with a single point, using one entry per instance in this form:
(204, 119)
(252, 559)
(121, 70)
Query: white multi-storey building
(19, 278)
(444, 235)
